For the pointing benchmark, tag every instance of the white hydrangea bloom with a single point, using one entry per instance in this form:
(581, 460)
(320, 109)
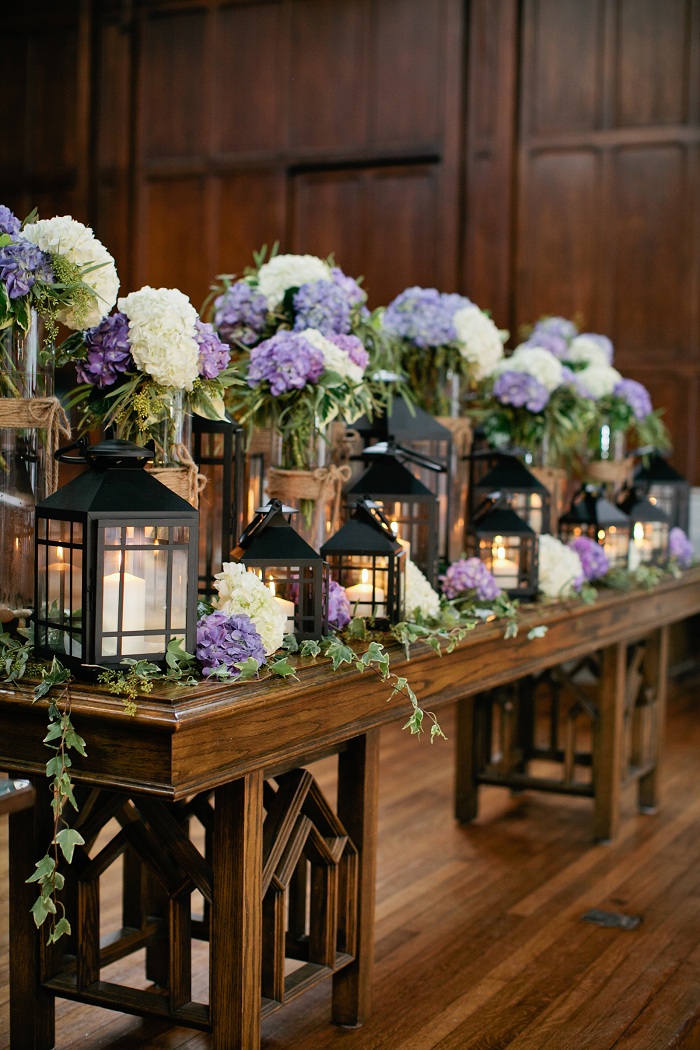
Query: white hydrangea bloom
(586, 351)
(162, 335)
(289, 271)
(559, 567)
(65, 236)
(421, 598)
(335, 359)
(480, 341)
(535, 361)
(242, 591)
(599, 380)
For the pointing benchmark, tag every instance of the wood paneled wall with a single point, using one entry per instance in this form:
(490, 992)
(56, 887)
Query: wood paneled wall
(541, 156)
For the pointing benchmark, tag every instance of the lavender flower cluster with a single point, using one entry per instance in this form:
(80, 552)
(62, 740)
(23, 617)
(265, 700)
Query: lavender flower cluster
(240, 314)
(520, 389)
(680, 547)
(22, 263)
(224, 641)
(338, 606)
(214, 355)
(108, 352)
(554, 334)
(636, 395)
(424, 316)
(469, 574)
(594, 560)
(353, 347)
(322, 305)
(286, 361)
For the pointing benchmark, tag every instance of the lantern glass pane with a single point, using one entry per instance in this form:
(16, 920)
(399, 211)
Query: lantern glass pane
(616, 541)
(123, 603)
(528, 506)
(59, 530)
(502, 555)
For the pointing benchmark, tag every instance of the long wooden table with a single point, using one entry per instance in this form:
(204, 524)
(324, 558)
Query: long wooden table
(233, 758)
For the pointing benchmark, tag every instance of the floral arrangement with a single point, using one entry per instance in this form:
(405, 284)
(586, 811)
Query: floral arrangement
(339, 612)
(56, 266)
(242, 592)
(469, 578)
(422, 600)
(594, 560)
(129, 365)
(560, 570)
(225, 641)
(437, 334)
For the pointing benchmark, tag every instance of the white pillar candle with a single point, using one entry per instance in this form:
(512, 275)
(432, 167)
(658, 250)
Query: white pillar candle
(360, 596)
(505, 570)
(287, 607)
(134, 604)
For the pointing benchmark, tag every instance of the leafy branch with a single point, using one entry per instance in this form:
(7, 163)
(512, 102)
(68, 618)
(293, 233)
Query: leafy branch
(140, 676)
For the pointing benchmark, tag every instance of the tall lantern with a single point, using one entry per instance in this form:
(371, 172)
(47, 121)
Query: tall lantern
(294, 572)
(665, 487)
(506, 545)
(592, 515)
(219, 454)
(649, 529)
(527, 496)
(365, 557)
(406, 501)
(115, 563)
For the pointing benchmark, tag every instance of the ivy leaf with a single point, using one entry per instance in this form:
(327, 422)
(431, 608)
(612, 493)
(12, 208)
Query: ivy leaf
(310, 647)
(436, 731)
(339, 654)
(511, 631)
(357, 628)
(290, 643)
(41, 909)
(248, 668)
(61, 927)
(415, 722)
(76, 742)
(44, 869)
(537, 632)
(68, 839)
(283, 668)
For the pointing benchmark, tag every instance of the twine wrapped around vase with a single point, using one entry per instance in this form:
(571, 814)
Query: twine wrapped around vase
(184, 480)
(39, 413)
(613, 473)
(320, 486)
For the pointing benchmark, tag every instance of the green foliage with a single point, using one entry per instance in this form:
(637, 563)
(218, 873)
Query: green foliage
(14, 657)
(139, 678)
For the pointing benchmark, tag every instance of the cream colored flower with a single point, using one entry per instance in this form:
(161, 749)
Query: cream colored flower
(535, 361)
(599, 380)
(481, 342)
(335, 359)
(162, 335)
(242, 591)
(584, 350)
(421, 599)
(289, 271)
(559, 568)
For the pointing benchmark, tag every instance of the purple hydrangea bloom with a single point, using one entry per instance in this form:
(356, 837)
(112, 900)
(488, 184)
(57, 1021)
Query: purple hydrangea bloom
(351, 289)
(21, 265)
(552, 341)
(424, 316)
(224, 641)
(287, 361)
(571, 378)
(603, 342)
(108, 352)
(240, 314)
(9, 223)
(214, 355)
(594, 560)
(680, 547)
(469, 574)
(520, 389)
(338, 606)
(353, 348)
(636, 396)
(558, 326)
(322, 305)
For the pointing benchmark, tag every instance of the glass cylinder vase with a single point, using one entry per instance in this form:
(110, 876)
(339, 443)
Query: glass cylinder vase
(26, 372)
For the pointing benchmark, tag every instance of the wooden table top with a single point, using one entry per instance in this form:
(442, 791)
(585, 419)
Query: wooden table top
(188, 739)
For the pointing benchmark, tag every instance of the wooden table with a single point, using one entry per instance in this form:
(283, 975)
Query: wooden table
(271, 839)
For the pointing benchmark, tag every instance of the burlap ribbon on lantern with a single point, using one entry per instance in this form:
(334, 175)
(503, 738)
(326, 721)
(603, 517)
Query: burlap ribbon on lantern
(321, 486)
(184, 480)
(39, 413)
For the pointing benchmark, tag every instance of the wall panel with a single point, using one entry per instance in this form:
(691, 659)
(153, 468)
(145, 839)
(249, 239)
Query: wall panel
(652, 61)
(172, 249)
(250, 212)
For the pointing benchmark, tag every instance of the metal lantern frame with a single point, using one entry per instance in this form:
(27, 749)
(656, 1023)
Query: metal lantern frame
(364, 554)
(649, 529)
(592, 514)
(115, 563)
(271, 547)
(524, 493)
(219, 452)
(405, 500)
(506, 545)
(666, 488)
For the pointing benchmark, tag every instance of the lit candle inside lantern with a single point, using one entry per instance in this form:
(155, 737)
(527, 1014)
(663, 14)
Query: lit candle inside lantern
(535, 520)
(361, 596)
(59, 588)
(287, 607)
(642, 543)
(133, 605)
(505, 570)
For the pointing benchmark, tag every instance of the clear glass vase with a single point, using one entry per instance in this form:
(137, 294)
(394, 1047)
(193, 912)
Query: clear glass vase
(26, 371)
(170, 430)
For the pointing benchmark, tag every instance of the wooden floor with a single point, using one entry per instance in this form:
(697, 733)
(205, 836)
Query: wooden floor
(480, 940)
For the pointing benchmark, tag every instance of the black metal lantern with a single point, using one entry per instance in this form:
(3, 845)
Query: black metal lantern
(219, 454)
(592, 515)
(365, 557)
(115, 562)
(506, 545)
(294, 572)
(666, 488)
(524, 494)
(649, 529)
(405, 500)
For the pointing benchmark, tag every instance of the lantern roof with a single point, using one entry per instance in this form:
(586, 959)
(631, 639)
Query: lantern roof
(590, 507)
(270, 537)
(658, 471)
(405, 422)
(367, 532)
(640, 508)
(509, 474)
(495, 516)
(386, 476)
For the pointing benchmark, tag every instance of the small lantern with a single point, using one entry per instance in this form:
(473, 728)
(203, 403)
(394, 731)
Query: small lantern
(294, 572)
(592, 515)
(506, 545)
(115, 563)
(666, 488)
(649, 529)
(524, 494)
(219, 454)
(365, 557)
(405, 501)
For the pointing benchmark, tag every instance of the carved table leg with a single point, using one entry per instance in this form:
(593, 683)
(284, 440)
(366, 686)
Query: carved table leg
(656, 676)
(235, 967)
(32, 1009)
(607, 761)
(466, 786)
(358, 783)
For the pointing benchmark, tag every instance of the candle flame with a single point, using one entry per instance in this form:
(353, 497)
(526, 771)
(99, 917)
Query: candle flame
(272, 588)
(395, 527)
(364, 576)
(500, 552)
(638, 530)
(59, 553)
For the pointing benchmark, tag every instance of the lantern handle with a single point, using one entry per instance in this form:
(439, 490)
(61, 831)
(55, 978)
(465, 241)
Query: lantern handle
(261, 518)
(60, 453)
